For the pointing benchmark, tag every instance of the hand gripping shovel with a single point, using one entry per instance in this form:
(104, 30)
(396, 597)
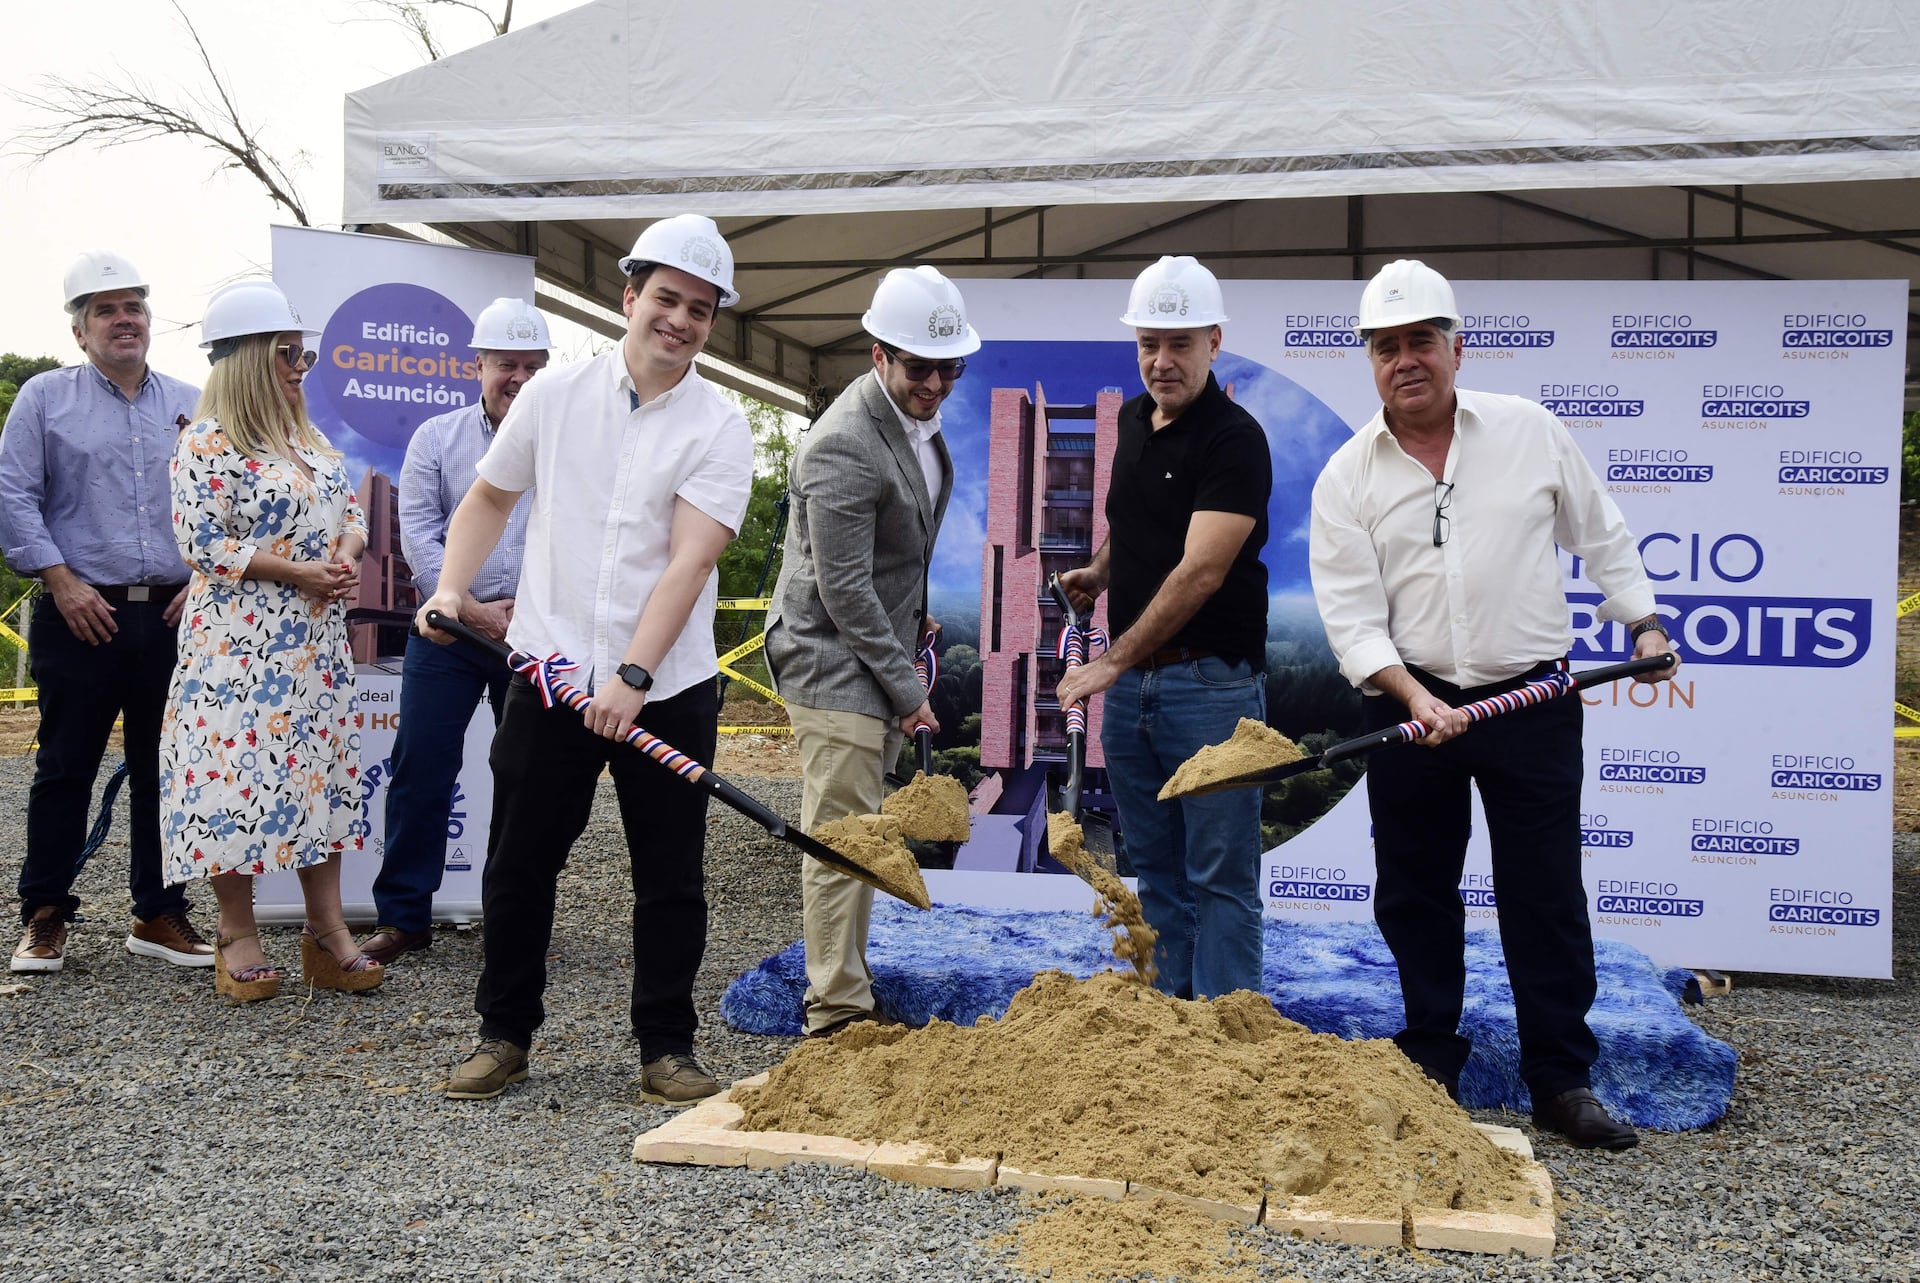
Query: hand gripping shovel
(926, 666)
(552, 688)
(1552, 686)
(1065, 800)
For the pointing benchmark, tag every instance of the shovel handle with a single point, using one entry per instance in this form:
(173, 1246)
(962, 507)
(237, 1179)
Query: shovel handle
(1549, 687)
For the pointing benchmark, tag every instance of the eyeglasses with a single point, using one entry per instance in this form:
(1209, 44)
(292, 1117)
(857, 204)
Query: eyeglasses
(295, 356)
(1442, 500)
(919, 371)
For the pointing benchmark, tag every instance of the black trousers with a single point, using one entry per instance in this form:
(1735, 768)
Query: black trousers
(545, 768)
(82, 689)
(1527, 765)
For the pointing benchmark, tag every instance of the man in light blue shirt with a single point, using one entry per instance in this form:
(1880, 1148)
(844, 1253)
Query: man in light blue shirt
(442, 685)
(85, 506)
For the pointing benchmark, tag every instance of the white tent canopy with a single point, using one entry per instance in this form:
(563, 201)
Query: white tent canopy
(1515, 138)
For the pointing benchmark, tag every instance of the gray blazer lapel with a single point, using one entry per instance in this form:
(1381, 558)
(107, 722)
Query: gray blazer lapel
(905, 457)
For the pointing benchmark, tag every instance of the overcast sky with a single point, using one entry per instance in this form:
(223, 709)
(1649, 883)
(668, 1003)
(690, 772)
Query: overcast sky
(161, 203)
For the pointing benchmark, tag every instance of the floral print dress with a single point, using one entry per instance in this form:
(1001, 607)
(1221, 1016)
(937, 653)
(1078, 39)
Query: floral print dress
(259, 753)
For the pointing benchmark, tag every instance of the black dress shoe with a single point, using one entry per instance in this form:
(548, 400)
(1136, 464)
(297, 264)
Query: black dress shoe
(1582, 1119)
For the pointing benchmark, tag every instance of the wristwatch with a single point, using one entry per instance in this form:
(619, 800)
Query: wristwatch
(635, 676)
(1652, 625)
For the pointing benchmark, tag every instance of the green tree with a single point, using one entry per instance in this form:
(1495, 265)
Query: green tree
(1910, 458)
(16, 370)
(751, 562)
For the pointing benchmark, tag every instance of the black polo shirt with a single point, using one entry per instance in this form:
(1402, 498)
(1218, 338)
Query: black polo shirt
(1213, 458)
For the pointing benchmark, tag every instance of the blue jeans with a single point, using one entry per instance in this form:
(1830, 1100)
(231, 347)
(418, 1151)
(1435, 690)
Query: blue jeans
(1198, 859)
(440, 686)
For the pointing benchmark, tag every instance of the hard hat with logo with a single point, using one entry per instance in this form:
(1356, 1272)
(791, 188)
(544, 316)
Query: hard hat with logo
(243, 308)
(1403, 292)
(1176, 293)
(690, 242)
(510, 325)
(920, 311)
(96, 271)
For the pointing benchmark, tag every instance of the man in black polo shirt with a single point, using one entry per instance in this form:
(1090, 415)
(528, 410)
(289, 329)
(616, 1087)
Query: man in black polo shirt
(1187, 516)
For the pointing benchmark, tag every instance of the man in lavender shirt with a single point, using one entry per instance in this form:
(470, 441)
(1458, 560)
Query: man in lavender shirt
(442, 685)
(85, 506)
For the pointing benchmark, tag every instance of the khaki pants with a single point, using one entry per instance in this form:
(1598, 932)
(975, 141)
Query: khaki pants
(843, 760)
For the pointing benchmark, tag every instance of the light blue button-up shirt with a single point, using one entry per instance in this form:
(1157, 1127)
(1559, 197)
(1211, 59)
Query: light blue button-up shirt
(84, 476)
(441, 466)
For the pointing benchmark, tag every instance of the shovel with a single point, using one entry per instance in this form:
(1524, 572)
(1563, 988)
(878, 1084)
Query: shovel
(1551, 686)
(673, 759)
(1065, 800)
(926, 666)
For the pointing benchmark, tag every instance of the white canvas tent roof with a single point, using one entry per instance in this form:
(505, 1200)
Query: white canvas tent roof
(1516, 138)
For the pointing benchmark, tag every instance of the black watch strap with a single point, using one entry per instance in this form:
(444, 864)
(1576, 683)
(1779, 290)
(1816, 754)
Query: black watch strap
(635, 676)
(1649, 626)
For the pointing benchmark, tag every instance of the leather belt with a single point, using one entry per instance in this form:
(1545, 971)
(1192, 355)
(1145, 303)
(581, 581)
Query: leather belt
(1173, 655)
(138, 592)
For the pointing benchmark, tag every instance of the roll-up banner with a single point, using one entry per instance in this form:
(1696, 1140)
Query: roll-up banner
(395, 318)
(1739, 817)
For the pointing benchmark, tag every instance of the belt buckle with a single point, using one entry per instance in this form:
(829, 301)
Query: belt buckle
(139, 592)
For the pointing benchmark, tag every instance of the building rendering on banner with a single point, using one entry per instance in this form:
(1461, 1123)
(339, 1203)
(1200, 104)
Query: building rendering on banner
(386, 581)
(1048, 468)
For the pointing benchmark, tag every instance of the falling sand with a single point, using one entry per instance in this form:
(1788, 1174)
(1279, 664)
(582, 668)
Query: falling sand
(1255, 747)
(1117, 908)
(874, 843)
(931, 809)
(1220, 1099)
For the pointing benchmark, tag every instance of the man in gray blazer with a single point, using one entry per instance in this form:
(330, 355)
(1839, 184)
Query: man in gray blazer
(869, 486)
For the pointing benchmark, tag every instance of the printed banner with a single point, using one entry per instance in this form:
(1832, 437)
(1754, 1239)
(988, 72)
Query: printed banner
(1738, 818)
(276, 896)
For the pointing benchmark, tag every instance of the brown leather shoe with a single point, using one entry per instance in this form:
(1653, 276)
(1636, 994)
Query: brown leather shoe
(169, 937)
(388, 943)
(43, 946)
(858, 1018)
(488, 1070)
(676, 1080)
(1580, 1117)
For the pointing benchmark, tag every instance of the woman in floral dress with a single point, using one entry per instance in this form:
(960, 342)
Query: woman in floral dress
(259, 758)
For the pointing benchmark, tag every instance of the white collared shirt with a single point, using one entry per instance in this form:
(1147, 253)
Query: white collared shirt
(921, 435)
(605, 474)
(1489, 603)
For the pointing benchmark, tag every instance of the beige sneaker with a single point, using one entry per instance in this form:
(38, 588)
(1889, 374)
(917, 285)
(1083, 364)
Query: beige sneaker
(488, 1070)
(169, 937)
(676, 1080)
(43, 947)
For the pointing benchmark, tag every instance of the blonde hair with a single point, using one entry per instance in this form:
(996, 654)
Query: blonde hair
(246, 395)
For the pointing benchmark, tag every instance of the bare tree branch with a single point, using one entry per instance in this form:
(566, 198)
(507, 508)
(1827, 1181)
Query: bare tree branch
(109, 114)
(412, 14)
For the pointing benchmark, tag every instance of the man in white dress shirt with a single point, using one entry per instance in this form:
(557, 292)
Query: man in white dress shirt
(641, 471)
(1435, 570)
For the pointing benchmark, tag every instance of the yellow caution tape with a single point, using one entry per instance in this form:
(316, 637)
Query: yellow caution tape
(744, 603)
(1906, 732)
(1907, 606)
(1901, 710)
(780, 730)
(32, 694)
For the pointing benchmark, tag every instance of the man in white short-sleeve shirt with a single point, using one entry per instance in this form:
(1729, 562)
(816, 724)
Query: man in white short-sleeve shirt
(641, 471)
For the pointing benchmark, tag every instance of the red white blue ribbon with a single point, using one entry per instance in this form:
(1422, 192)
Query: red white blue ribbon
(543, 673)
(1552, 686)
(1073, 648)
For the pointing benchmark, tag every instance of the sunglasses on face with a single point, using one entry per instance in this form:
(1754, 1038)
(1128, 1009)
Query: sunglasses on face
(919, 371)
(295, 356)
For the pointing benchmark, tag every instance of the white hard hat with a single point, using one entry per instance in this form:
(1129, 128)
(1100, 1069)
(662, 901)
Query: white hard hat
(920, 311)
(248, 307)
(1403, 292)
(1175, 294)
(510, 325)
(690, 242)
(95, 272)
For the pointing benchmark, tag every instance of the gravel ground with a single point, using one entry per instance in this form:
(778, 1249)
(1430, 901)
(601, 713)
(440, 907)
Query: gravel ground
(148, 1131)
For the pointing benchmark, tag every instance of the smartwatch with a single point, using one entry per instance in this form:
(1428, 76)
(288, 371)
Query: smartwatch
(1652, 625)
(635, 676)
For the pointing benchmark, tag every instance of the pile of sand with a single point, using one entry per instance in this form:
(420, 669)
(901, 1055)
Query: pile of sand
(1222, 1099)
(1094, 1241)
(874, 843)
(1117, 908)
(1255, 746)
(931, 809)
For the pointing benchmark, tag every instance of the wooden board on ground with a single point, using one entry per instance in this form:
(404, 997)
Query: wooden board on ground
(709, 1135)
